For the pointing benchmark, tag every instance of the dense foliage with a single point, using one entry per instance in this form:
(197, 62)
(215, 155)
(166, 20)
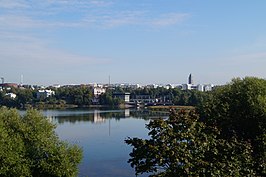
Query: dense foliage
(27, 97)
(24, 96)
(227, 138)
(239, 110)
(30, 147)
(83, 96)
(75, 95)
(108, 99)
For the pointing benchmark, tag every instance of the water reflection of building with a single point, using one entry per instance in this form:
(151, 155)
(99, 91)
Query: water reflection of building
(51, 119)
(100, 117)
(127, 112)
(97, 117)
(94, 116)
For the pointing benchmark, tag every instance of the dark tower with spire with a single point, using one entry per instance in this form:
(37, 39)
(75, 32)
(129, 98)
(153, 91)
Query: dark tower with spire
(190, 79)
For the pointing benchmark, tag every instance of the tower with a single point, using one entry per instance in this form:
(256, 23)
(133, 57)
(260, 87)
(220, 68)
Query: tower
(190, 79)
(109, 81)
(21, 79)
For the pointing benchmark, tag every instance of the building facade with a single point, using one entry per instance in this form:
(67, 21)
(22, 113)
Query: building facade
(44, 93)
(123, 96)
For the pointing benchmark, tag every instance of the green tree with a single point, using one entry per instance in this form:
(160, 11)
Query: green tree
(79, 95)
(227, 138)
(108, 99)
(8, 101)
(24, 96)
(30, 147)
(184, 146)
(239, 110)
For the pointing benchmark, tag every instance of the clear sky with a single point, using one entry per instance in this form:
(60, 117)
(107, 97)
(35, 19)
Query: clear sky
(133, 41)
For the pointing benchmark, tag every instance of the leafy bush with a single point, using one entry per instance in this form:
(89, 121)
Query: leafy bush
(30, 147)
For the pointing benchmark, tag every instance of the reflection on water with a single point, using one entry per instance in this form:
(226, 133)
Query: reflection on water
(101, 134)
(98, 116)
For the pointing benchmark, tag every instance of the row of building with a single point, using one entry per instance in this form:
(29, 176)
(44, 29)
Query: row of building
(98, 89)
(188, 86)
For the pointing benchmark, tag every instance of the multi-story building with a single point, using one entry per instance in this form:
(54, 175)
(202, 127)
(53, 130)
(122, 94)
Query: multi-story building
(124, 96)
(44, 93)
(200, 87)
(208, 87)
(97, 91)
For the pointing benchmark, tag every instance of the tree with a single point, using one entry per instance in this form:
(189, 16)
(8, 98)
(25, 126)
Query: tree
(184, 146)
(24, 96)
(239, 109)
(108, 99)
(30, 147)
(226, 138)
(78, 95)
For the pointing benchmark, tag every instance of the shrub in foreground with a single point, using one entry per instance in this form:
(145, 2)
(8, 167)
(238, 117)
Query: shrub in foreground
(30, 147)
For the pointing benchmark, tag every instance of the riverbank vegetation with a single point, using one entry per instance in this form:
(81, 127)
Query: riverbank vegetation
(225, 136)
(30, 147)
(163, 108)
(82, 96)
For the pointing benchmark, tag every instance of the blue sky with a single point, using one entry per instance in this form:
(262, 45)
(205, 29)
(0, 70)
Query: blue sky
(133, 41)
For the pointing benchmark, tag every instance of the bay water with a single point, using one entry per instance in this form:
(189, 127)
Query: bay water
(101, 135)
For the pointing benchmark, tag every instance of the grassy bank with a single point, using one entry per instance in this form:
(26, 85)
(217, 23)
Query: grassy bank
(167, 108)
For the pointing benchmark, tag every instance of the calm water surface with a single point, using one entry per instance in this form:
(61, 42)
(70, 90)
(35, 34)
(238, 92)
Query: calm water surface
(101, 134)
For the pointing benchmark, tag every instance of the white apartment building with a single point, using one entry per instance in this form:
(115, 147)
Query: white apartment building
(208, 87)
(11, 95)
(44, 93)
(97, 91)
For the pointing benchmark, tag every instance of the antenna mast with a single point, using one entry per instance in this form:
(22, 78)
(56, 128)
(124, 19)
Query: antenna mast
(109, 81)
(21, 79)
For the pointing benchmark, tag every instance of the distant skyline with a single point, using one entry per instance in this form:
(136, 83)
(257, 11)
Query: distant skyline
(141, 41)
